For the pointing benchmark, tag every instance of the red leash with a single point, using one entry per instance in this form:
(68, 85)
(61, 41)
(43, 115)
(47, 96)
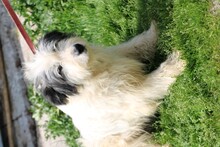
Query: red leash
(19, 25)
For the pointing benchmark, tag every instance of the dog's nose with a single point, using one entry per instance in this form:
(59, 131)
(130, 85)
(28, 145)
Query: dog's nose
(79, 48)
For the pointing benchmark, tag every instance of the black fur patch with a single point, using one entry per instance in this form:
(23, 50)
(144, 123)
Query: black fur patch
(55, 87)
(58, 94)
(54, 97)
(149, 126)
(55, 36)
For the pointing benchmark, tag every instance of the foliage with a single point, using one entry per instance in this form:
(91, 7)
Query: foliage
(190, 114)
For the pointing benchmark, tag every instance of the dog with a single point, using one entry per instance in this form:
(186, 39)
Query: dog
(105, 90)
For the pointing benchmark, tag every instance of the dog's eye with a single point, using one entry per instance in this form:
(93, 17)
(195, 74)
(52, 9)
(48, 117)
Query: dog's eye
(59, 70)
(79, 48)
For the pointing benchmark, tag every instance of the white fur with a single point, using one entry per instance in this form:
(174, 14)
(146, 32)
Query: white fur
(115, 97)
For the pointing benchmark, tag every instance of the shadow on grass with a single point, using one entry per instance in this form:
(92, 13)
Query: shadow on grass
(161, 12)
(158, 10)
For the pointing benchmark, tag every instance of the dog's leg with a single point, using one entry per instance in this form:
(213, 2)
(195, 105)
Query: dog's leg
(141, 47)
(158, 82)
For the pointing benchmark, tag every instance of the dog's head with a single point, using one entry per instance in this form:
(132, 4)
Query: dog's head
(59, 67)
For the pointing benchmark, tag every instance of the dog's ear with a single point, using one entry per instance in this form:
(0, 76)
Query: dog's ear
(54, 97)
(58, 94)
(49, 42)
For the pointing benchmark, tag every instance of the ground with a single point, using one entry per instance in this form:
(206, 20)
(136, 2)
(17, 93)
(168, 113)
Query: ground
(189, 115)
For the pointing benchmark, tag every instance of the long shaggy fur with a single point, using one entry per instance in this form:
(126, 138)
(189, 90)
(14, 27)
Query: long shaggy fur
(105, 91)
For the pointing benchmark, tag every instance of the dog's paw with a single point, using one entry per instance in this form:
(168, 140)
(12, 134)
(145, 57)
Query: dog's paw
(174, 65)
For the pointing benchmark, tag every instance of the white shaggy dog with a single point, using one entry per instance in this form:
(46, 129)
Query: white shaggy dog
(105, 91)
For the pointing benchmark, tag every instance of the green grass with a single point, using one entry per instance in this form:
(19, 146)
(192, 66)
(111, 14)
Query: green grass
(190, 115)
